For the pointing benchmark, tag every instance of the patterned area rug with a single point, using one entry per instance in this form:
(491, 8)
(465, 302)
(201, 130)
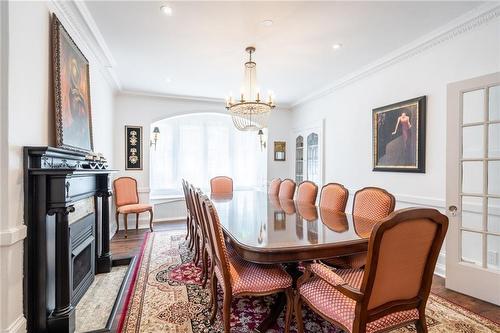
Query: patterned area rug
(167, 297)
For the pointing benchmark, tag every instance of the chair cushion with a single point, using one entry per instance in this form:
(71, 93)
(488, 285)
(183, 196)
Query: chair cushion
(247, 277)
(135, 208)
(340, 308)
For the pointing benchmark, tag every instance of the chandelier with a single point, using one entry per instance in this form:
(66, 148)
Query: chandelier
(250, 112)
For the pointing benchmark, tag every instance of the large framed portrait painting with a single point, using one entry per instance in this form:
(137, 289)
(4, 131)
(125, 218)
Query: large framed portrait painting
(71, 92)
(399, 136)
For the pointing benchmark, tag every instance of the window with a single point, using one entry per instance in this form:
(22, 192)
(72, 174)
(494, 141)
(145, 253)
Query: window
(197, 147)
(299, 159)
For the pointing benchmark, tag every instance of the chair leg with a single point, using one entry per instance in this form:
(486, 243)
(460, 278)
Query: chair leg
(204, 269)
(298, 313)
(136, 221)
(213, 297)
(117, 221)
(188, 228)
(125, 218)
(289, 309)
(151, 220)
(421, 323)
(197, 250)
(226, 314)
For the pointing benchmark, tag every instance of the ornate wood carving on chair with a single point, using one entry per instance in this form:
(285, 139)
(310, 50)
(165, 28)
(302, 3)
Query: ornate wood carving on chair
(127, 202)
(392, 290)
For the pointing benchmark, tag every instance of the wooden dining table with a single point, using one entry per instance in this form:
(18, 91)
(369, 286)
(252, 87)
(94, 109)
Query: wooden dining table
(265, 229)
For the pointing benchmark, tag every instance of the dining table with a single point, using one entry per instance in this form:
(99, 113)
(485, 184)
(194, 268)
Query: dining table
(266, 229)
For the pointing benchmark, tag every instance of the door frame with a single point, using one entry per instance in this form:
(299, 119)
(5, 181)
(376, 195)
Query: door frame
(461, 276)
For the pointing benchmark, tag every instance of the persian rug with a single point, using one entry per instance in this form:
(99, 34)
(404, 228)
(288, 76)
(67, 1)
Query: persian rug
(94, 309)
(168, 297)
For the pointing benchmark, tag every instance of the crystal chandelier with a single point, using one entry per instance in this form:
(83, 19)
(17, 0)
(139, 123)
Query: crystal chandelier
(250, 113)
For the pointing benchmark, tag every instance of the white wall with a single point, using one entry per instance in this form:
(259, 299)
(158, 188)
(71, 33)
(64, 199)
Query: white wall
(348, 123)
(143, 110)
(29, 114)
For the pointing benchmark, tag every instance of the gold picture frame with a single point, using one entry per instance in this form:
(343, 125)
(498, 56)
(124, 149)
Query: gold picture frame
(279, 150)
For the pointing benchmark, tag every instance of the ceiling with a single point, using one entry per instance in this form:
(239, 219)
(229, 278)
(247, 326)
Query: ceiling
(199, 50)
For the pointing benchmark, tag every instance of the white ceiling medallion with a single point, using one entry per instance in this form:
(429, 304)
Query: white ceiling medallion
(250, 113)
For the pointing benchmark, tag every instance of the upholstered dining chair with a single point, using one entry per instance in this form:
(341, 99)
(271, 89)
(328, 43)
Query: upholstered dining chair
(238, 277)
(287, 189)
(221, 185)
(203, 232)
(127, 202)
(188, 212)
(371, 204)
(307, 192)
(274, 187)
(333, 196)
(392, 290)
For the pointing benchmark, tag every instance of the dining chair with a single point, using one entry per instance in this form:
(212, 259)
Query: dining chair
(307, 192)
(221, 185)
(188, 213)
(392, 290)
(274, 187)
(127, 202)
(199, 237)
(287, 189)
(206, 244)
(238, 277)
(333, 196)
(192, 218)
(371, 204)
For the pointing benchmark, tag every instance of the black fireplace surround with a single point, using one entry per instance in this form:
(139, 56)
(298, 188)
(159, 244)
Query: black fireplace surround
(67, 216)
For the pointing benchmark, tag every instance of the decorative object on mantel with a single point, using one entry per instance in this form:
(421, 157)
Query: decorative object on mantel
(279, 150)
(399, 136)
(133, 147)
(155, 137)
(71, 92)
(250, 112)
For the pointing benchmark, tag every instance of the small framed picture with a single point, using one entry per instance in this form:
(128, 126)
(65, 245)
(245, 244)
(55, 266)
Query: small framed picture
(133, 147)
(279, 150)
(399, 136)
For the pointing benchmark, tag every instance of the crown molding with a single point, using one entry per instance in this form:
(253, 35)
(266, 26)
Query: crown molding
(184, 97)
(459, 26)
(77, 18)
(171, 96)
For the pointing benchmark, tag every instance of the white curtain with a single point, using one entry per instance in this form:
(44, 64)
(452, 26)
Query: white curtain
(197, 147)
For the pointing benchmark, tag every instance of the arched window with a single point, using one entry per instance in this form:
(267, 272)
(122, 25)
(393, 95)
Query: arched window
(200, 146)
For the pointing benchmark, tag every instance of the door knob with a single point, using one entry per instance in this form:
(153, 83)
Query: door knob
(453, 210)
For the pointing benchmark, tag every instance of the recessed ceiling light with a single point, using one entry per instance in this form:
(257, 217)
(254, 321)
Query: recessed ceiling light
(337, 46)
(168, 80)
(267, 23)
(166, 9)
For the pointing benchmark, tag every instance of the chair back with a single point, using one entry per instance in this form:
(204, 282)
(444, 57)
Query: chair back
(402, 255)
(334, 196)
(221, 185)
(274, 187)
(307, 192)
(287, 189)
(185, 190)
(373, 203)
(219, 250)
(125, 189)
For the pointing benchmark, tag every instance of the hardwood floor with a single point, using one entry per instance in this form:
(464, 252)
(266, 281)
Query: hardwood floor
(124, 247)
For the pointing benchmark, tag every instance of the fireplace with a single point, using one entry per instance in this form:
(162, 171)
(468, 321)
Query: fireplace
(82, 236)
(67, 203)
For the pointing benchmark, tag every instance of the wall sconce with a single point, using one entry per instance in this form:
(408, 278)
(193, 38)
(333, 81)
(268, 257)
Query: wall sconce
(262, 141)
(155, 137)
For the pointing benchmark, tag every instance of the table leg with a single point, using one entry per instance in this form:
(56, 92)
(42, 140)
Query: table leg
(279, 305)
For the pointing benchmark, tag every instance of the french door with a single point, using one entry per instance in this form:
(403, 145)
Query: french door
(309, 154)
(473, 187)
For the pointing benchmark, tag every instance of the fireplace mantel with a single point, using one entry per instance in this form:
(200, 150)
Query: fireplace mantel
(55, 182)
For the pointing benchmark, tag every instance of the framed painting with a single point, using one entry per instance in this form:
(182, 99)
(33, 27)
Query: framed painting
(133, 147)
(399, 136)
(71, 92)
(279, 150)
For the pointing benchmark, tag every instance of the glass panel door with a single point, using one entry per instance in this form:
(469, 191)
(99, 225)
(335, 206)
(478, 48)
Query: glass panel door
(313, 158)
(473, 242)
(299, 159)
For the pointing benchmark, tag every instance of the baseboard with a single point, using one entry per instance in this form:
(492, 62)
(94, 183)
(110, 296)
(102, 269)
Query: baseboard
(18, 326)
